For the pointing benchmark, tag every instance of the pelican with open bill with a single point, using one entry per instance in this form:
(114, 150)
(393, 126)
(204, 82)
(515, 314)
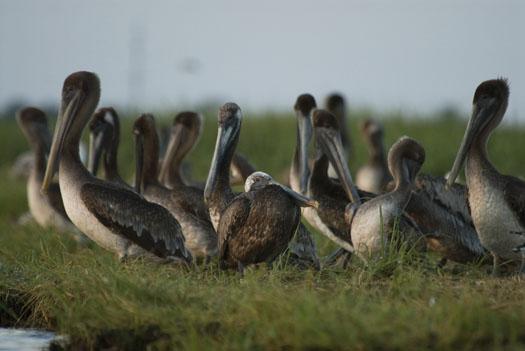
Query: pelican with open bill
(104, 138)
(116, 218)
(185, 203)
(218, 193)
(47, 209)
(497, 201)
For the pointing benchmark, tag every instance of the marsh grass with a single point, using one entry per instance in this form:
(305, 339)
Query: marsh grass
(399, 302)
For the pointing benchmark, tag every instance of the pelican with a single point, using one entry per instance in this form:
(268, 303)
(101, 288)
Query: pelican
(184, 135)
(257, 225)
(373, 223)
(104, 137)
(497, 201)
(300, 171)
(183, 202)
(374, 176)
(218, 193)
(112, 216)
(47, 209)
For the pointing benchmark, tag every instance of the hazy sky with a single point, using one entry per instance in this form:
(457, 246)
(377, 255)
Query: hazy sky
(411, 54)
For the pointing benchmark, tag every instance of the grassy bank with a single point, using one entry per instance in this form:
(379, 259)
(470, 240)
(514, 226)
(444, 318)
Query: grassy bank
(48, 281)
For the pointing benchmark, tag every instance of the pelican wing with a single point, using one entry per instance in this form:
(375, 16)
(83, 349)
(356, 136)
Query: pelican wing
(232, 221)
(148, 225)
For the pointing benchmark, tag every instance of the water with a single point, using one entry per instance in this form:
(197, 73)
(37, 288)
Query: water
(24, 339)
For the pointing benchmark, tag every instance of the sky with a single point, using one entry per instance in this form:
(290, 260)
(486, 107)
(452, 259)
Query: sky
(406, 55)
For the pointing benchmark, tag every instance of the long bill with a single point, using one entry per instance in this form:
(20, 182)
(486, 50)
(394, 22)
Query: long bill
(299, 199)
(332, 146)
(220, 167)
(96, 149)
(475, 124)
(171, 152)
(139, 162)
(63, 126)
(305, 134)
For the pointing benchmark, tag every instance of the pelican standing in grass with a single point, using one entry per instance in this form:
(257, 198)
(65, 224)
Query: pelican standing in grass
(374, 223)
(47, 209)
(114, 217)
(218, 193)
(374, 175)
(184, 203)
(497, 201)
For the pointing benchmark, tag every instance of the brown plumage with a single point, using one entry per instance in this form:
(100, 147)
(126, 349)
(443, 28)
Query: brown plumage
(257, 225)
(185, 203)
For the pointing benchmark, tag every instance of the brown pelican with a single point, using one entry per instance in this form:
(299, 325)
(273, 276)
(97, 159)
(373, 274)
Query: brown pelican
(374, 176)
(497, 201)
(184, 203)
(373, 223)
(104, 138)
(47, 209)
(218, 193)
(257, 225)
(184, 135)
(300, 171)
(332, 195)
(108, 214)
(441, 215)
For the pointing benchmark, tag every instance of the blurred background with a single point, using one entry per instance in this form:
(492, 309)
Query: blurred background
(408, 56)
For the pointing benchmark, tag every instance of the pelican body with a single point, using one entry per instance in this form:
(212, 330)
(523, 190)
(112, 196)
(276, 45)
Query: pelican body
(183, 202)
(374, 222)
(47, 209)
(497, 201)
(258, 224)
(116, 218)
(374, 175)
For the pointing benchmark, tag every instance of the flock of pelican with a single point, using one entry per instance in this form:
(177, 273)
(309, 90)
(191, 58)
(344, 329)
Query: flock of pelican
(168, 217)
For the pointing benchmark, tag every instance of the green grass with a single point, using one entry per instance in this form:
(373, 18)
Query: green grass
(399, 303)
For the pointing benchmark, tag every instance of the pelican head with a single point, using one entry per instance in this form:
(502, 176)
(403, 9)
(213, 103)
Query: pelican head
(80, 96)
(335, 103)
(373, 133)
(488, 107)
(33, 123)
(184, 134)
(405, 159)
(304, 106)
(259, 180)
(328, 137)
(104, 134)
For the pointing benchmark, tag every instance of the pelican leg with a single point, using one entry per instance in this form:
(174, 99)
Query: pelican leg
(496, 268)
(522, 268)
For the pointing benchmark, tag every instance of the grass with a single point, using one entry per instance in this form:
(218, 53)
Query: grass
(399, 303)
